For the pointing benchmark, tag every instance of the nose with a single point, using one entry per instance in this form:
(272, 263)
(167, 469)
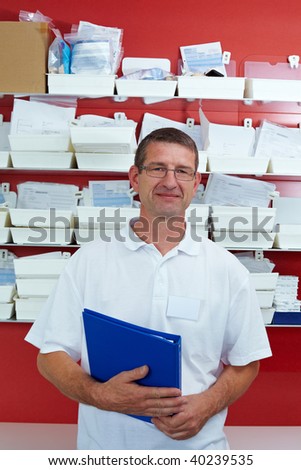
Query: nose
(170, 180)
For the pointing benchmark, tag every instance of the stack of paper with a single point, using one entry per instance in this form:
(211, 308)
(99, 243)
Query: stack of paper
(239, 213)
(36, 276)
(44, 213)
(40, 135)
(230, 148)
(107, 207)
(286, 294)
(7, 284)
(281, 145)
(104, 144)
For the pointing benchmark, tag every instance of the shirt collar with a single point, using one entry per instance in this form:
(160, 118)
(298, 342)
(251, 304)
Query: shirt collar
(190, 244)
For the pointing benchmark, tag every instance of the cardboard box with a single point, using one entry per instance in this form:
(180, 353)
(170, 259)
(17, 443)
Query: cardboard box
(23, 56)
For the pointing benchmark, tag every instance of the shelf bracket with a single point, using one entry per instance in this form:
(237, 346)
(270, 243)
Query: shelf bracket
(259, 255)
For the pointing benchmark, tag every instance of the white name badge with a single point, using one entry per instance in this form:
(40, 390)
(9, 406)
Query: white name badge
(183, 307)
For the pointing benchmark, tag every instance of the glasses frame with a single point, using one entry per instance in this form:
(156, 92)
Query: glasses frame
(147, 167)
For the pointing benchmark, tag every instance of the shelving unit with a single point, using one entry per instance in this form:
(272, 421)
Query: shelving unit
(134, 107)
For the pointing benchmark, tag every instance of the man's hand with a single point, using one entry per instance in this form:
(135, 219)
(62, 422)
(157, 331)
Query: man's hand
(122, 394)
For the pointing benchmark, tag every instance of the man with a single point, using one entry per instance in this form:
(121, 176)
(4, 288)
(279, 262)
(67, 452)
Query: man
(137, 278)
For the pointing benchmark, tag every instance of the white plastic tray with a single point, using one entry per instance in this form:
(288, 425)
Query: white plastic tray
(147, 88)
(108, 217)
(7, 310)
(42, 268)
(266, 89)
(5, 235)
(77, 84)
(41, 218)
(4, 217)
(34, 287)
(104, 139)
(42, 236)
(288, 236)
(243, 218)
(105, 162)
(230, 88)
(267, 315)
(39, 143)
(44, 160)
(265, 298)
(283, 166)
(264, 281)
(238, 165)
(28, 309)
(197, 214)
(7, 293)
(252, 240)
(86, 235)
(5, 161)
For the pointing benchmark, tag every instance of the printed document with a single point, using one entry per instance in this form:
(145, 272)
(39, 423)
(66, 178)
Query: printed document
(203, 57)
(110, 193)
(151, 122)
(30, 117)
(224, 190)
(275, 140)
(33, 195)
(225, 140)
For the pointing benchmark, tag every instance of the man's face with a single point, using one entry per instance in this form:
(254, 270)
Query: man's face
(167, 196)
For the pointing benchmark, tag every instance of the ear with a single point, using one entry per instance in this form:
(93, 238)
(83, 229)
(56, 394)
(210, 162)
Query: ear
(133, 177)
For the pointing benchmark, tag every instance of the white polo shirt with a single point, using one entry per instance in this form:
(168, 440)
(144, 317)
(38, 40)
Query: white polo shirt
(197, 290)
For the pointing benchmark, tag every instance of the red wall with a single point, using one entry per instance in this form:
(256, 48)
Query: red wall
(156, 29)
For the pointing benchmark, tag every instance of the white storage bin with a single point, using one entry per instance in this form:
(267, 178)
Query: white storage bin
(105, 162)
(156, 89)
(42, 236)
(43, 160)
(197, 214)
(227, 88)
(243, 218)
(57, 218)
(264, 281)
(34, 287)
(7, 293)
(5, 160)
(27, 267)
(28, 309)
(265, 298)
(285, 165)
(5, 235)
(267, 89)
(7, 310)
(267, 315)
(78, 84)
(86, 235)
(4, 217)
(148, 88)
(39, 142)
(288, 236)
(104, 139)
(237, 165)
(202, 161)
(252, 240)
(105, 217)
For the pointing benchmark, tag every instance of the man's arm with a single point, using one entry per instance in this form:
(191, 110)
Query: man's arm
(121, 393)
(232, 384)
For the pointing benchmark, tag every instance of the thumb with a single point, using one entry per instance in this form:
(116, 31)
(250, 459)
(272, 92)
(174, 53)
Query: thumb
(138, 373)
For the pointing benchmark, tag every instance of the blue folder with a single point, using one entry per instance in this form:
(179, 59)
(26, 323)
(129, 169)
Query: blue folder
(115, 346)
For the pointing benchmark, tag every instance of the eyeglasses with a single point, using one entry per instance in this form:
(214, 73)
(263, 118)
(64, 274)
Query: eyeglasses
(181, 174)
